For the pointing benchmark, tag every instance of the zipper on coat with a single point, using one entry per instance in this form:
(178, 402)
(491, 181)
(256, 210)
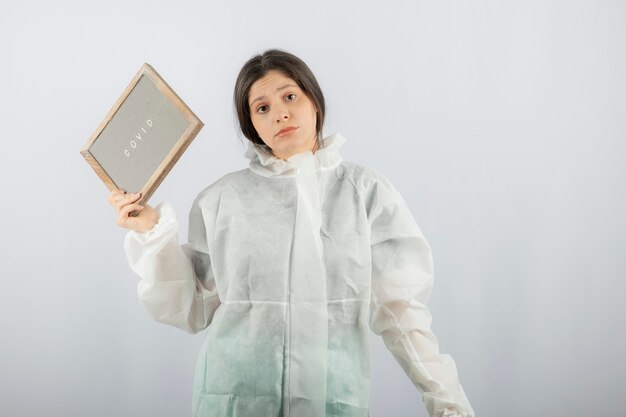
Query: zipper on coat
(287, 348)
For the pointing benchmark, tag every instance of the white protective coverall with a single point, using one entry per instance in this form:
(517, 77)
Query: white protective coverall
(287, 266)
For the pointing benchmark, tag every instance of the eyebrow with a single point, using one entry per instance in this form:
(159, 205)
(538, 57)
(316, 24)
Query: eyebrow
(277, 90)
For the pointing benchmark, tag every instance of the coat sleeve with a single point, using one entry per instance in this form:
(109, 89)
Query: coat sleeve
(402, 280)
(177, 286)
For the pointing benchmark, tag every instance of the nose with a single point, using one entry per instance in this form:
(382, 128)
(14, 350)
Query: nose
(282, 115)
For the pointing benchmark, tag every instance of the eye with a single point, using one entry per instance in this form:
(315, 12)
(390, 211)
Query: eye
(289, 95)
(261, 109)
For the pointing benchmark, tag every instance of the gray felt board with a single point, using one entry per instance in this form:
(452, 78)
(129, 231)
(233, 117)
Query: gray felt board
(139, 136)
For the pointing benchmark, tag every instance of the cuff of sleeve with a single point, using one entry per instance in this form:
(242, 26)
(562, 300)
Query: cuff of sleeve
(166, 225)
(140, 247)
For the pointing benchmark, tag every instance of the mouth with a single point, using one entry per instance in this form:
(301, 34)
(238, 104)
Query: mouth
(286, 131)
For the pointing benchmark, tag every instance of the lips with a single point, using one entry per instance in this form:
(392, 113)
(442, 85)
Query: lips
(286, 130)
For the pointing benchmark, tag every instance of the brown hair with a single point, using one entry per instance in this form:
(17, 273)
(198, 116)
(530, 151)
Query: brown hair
(291, 66)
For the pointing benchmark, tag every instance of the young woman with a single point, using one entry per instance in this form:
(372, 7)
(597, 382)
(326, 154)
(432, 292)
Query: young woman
(289, 263)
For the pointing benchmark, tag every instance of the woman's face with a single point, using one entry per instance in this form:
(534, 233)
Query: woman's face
(276, 102)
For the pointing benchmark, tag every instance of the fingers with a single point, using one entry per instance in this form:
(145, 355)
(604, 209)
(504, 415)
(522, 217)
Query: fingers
(120, 199)
(130, 207)
(116, 195)
(124, 213)
(113, 194)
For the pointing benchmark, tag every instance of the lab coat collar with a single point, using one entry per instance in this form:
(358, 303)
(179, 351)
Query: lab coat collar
(327, 157)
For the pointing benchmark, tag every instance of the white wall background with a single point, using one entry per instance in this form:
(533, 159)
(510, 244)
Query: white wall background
(502, 123)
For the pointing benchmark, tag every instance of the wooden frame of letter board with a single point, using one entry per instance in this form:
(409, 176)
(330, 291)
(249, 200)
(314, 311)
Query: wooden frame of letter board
(194, 126)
